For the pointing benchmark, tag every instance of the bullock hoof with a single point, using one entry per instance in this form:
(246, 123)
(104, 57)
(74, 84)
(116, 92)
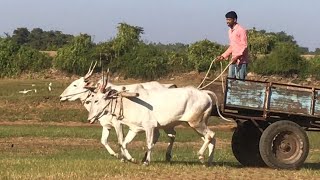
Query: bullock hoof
(146, 163)
(144, 158)
(210, 164)
(201, 158)
(133, 160)
(168, 157)
(123, 160)
(117, 155)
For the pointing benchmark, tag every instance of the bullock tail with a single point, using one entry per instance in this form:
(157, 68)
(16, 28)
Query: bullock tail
(212, 94)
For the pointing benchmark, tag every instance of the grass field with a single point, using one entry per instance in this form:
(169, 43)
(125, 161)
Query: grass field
(43, 139)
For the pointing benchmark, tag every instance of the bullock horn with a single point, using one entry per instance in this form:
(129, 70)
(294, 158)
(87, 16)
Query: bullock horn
(90, 71)
(103, 86)
(128, 94)
(107, 79)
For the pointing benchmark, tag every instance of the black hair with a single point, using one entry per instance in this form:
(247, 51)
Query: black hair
(232, 15)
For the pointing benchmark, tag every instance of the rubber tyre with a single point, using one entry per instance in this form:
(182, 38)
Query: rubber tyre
(245, 144)
(284, 145)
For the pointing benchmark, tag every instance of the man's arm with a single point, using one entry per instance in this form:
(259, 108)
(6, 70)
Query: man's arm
(226, 54)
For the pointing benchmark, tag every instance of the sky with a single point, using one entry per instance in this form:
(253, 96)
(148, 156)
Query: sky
(165, 21)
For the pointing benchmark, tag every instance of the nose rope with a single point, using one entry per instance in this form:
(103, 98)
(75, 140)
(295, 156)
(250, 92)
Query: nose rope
(84, 101)
(75, 93)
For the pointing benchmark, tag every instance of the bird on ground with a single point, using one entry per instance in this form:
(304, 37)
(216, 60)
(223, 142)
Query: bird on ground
(49, 87)
(25, 91)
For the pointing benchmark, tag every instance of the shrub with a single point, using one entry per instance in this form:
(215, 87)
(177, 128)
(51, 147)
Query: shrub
(145, 61)
(313, 67)
(284, 60)
(76, 56)
(201, 54)
(15, 59)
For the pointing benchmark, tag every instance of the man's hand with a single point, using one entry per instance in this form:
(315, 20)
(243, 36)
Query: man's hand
(236, 59)
(219, 58)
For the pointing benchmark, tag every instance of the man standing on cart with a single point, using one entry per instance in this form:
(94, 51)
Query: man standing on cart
(238, 48)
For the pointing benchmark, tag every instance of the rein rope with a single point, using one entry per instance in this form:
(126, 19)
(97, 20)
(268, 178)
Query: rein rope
(77, 93)
(200, 87)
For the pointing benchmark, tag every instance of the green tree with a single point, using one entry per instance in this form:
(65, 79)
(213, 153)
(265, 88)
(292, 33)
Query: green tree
(317, 51)
(21, 35)
(36, 39)
(29, 59)
(8, 49)
(260, 42)
(15, 59)
(145, 61)
(201, 54)
(128, 37)
(76, 56)
(284, 60)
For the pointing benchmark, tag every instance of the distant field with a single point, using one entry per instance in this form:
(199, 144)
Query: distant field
(43, 139)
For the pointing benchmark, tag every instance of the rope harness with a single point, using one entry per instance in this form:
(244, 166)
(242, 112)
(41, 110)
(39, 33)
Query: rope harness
(223, 90)
(220, 75)
(113, 105)
(84, 101)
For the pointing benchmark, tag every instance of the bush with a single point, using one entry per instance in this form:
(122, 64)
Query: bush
(15, 59)
(201, 54)
(178, 62)
(75, 57)
(284, 60)
(29, 59)
(145, 61)
(313, 67)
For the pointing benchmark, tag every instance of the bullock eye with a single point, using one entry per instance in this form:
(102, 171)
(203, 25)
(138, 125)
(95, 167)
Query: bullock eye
(87, 102)
(75, 85)
(95, 101)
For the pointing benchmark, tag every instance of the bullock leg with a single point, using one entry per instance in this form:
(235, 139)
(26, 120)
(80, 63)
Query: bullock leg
(156, 136)
(211, 147)
(208, 137)
(131, 134)
(149, 138)
(104, 141)
(172, 135)
(119, 132)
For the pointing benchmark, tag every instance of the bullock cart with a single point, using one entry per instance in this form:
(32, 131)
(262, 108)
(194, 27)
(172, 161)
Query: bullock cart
(272, 120)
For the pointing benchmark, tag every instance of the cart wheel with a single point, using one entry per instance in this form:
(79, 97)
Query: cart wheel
(245, 144)
(284, 145)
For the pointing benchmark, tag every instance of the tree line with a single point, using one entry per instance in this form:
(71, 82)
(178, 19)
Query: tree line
(126, 54)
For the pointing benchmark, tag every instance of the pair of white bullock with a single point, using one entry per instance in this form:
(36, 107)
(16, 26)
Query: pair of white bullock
(149, 107)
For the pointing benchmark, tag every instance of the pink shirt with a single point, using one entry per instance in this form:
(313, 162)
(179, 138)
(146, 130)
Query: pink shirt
(238, 44)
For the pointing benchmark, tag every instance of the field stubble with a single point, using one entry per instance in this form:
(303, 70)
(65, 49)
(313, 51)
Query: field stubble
(43, 139)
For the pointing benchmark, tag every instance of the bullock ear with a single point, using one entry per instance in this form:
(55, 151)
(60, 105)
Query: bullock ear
(105, 96)
(90, 86)
(107, 89)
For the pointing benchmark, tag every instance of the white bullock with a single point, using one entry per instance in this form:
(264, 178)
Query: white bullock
(78, 90)
(155, 109)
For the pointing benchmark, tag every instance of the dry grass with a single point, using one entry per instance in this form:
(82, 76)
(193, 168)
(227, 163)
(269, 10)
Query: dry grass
(38, 141)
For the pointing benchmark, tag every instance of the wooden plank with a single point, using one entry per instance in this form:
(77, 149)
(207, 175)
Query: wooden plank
(317, 103)
(291, 100)
(245, 94)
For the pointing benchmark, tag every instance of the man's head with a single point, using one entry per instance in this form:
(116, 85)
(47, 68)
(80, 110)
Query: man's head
(231, 18)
